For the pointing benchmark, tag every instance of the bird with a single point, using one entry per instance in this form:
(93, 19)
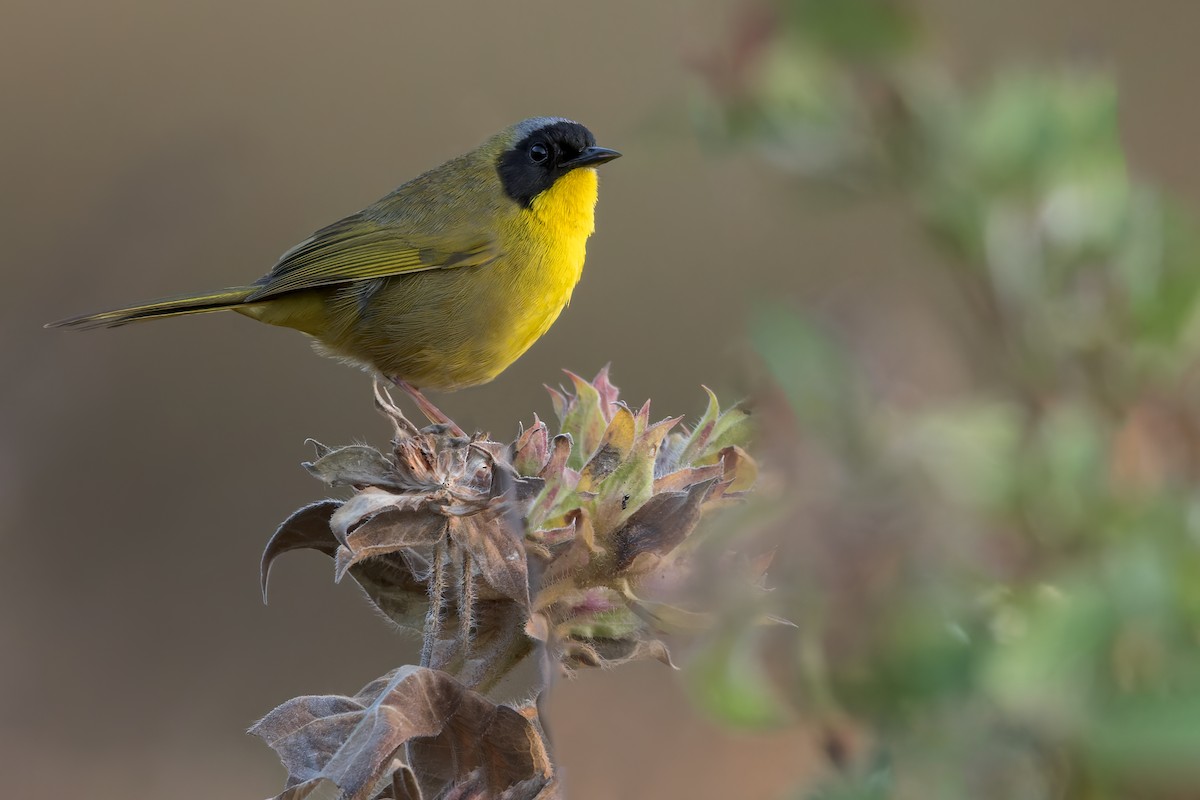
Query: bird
(442, 283)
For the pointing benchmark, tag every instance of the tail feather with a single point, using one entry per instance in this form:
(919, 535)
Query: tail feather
(167, 307)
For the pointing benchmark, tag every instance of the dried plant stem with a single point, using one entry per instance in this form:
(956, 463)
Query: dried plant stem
(437, 591)
(466, 602)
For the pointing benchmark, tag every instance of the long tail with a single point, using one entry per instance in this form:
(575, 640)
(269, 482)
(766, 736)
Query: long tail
(167, 307)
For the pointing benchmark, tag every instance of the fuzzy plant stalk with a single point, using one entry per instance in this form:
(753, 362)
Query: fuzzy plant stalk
(569, 547)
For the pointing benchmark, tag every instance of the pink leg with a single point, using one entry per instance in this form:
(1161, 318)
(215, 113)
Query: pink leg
(431, 412)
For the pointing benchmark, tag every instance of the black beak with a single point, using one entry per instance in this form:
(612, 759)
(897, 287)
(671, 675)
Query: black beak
(590, 157)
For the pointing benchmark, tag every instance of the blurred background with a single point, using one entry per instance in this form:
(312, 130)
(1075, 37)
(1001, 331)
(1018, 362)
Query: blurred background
(153, 148)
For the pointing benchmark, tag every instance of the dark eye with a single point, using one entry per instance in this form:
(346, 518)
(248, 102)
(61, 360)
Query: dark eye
(539, 153)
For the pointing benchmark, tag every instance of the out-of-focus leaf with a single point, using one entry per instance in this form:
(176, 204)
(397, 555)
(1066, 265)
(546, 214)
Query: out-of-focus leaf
(1049, 659)
(810, 370)
(670, 619)
(873, 783)
(1156, 268)
(1147, 732)
(853, 29)
(969, 451)
(727, 678)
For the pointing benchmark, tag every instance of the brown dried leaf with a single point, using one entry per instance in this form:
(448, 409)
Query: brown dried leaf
(396, 584)
(614, 652)
(562, 575)
(357, 742)
(306, 529)
(532, 789)
(739, 468)
(365, 505)
(404, 786)
(354, 465)
(498, 643)
(659, 525)
(388, 532)
(496, 551)
(560, 452)
(681, 479)
(531, 450)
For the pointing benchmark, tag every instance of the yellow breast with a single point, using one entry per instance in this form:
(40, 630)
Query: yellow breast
(549, 246)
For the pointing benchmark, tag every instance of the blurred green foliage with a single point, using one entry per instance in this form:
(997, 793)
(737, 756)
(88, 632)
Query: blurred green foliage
(997, 592)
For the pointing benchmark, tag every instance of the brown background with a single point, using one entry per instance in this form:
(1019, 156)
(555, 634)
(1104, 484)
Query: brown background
(151, 147)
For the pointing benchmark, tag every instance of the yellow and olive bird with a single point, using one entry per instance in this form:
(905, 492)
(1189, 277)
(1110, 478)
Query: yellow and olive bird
(444, 282)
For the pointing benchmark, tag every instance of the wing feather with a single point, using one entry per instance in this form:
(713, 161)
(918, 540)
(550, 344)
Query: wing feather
(358, 248)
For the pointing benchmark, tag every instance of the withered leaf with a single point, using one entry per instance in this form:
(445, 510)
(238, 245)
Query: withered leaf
(531, 450)
(681, 479)
(560, 452)
(668, 618)
(560, 575)
(366, 504)
(614, 652)
(387, 532)
(357, 742)
(739, 468)
(306, 529)
(354, 465)
(404, 786)
(659, 525)
(498, 644)
(533, 789)
(396, 585)
(496, 551)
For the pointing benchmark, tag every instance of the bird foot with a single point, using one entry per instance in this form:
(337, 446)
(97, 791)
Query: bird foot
(431, 412)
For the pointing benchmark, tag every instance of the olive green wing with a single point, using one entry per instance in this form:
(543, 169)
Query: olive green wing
(358, 248)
